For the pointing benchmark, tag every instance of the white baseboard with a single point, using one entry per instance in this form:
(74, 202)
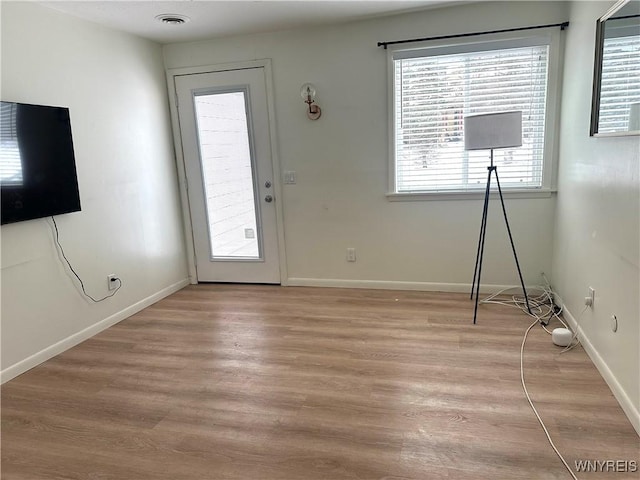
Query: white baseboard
(630, 410)
(390, 285)
(73, 340)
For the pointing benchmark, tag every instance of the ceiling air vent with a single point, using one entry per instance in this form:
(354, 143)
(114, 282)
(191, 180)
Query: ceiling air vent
(172, 19)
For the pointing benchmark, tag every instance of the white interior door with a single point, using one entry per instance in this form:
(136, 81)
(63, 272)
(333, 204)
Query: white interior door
(224, 128)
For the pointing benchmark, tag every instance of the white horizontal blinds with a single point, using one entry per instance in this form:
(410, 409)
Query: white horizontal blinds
(433, 94)
(620, 86)
(10, 162)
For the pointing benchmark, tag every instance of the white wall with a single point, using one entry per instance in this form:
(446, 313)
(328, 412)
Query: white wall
(341, 160)
(597, 233)
(130, 222)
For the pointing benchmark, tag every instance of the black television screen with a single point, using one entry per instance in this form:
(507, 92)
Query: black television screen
(37, 164)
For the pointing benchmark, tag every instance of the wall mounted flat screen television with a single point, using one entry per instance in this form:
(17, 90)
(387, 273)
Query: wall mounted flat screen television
(37, 163)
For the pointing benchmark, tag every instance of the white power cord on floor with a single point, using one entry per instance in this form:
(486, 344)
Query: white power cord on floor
(535, 411)
(543, 310)
(542, 305)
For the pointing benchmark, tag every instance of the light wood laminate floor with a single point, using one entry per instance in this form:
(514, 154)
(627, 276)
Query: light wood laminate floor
(264, 382)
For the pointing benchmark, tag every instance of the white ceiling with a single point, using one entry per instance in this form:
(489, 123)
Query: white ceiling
(210, 19)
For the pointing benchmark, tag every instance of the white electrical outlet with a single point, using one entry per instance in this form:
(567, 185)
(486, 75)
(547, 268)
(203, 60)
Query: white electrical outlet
(113, 281)
(351, 254)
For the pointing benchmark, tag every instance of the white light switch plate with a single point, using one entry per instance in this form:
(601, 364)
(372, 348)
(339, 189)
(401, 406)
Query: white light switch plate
(289, 177)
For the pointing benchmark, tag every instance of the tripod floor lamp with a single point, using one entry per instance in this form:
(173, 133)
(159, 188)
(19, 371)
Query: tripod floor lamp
(488, 132)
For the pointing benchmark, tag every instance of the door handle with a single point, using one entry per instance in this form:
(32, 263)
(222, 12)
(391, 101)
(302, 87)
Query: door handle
(267, 184)
(268, 199)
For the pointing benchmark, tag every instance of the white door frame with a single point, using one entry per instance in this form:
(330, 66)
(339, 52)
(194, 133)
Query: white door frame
(180, 162)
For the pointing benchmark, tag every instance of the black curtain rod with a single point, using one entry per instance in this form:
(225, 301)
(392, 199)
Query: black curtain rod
(460, 35)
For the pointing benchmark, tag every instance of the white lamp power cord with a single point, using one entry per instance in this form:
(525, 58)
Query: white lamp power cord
(543, 310)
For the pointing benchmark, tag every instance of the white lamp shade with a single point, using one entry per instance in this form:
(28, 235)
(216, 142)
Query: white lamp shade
(493, 130)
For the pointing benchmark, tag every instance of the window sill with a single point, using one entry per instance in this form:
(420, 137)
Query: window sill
(458, 195)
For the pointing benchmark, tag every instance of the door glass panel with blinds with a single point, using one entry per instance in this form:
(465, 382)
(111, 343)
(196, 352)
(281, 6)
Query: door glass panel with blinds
(227, 174)
(434, 89)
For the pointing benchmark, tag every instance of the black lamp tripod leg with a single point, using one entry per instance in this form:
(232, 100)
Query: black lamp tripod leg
(483, 225)
(513, 247)
(479, 256)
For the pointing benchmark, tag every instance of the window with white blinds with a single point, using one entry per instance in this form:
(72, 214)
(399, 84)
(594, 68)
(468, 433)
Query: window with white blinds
(434, 89)
(620, 85)
(10, 161)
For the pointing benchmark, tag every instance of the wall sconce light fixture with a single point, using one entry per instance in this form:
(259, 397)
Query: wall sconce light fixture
(308, 93)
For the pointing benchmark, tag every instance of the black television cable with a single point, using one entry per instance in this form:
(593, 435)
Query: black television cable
(84, 291)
